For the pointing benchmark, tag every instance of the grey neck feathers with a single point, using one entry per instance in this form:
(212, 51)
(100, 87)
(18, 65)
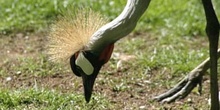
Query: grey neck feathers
(119, 27)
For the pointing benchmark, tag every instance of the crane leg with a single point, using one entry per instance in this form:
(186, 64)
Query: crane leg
(184, 87)
(212, 31)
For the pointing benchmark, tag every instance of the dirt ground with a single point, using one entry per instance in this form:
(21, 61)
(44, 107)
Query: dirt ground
(139, 94)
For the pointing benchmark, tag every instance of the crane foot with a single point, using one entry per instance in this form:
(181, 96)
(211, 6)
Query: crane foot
(183, 88)
(186, 85)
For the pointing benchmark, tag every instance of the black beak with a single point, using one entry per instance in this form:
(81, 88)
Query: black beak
(88, 80)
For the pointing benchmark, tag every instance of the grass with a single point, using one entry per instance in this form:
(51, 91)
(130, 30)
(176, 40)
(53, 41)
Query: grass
(29, 15)
(188, 22)
(45, 99)
(167, 43)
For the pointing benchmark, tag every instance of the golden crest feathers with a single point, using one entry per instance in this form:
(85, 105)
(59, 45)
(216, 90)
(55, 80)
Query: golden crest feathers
(72, 33)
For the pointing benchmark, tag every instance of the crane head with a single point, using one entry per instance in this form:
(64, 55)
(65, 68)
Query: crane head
(87, 65)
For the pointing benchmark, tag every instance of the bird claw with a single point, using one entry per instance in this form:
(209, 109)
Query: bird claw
(183, 88)
(186, 85)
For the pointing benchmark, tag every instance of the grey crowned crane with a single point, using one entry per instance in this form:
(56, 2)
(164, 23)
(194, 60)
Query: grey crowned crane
(88, 44)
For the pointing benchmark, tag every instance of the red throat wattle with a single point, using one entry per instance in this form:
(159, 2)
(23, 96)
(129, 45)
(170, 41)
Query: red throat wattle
(106, 53)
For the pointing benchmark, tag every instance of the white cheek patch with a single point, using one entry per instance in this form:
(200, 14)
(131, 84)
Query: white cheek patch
(84, 64)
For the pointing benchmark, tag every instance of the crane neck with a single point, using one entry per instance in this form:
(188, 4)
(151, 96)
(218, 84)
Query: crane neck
(119, 27)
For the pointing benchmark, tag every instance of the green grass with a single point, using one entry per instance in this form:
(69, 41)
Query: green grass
(184, 18)
(167, 43)
(36, 99)
(32, 15)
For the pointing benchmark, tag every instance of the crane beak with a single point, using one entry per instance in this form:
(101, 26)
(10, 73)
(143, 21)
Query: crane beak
(87, 66)
(88, 82)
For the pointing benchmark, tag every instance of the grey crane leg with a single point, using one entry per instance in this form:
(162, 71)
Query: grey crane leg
(183, 88)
